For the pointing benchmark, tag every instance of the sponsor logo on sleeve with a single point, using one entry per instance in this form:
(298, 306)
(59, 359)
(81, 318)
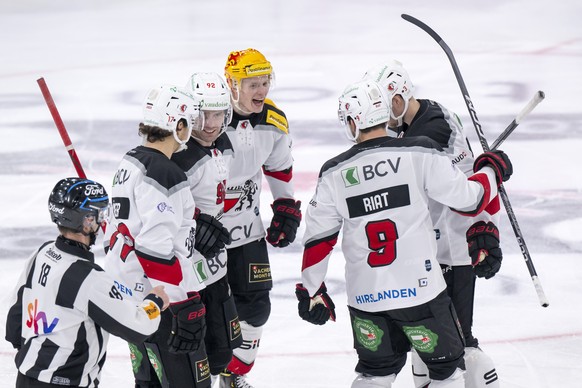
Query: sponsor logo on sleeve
(152, 310)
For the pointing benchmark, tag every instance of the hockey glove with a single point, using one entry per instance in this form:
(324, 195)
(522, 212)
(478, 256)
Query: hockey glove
(483, 240)
(188, 324)
(286, 220)
(211, 236)
(317, 309)
(498, 161)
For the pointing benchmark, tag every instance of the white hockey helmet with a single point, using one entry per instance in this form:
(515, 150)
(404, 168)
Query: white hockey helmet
(365, 104)
(166, 105)
(212, 94)
(394, 80)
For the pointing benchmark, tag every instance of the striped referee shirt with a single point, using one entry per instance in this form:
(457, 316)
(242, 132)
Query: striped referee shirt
(64, 307)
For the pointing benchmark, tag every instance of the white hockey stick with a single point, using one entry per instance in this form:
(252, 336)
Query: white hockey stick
(537, 98)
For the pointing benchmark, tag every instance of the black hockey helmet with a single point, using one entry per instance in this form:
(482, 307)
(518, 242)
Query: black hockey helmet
(75, 200)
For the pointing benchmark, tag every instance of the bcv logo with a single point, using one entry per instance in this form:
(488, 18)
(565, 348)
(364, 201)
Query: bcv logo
(34, 316)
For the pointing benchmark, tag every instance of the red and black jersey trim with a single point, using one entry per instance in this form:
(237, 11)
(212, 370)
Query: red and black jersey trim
(317, 250)
(156, 166)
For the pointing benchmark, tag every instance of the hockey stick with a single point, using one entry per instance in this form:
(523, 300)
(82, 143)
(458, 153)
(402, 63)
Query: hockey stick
(537, 98)
(512, 219)
(61, 127)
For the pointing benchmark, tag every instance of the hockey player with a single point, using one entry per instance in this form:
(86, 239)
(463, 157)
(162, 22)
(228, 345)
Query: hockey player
(152, 240)
(206, 162)
(65, 306)
(420, 117)
(262, 146)
(379, 191)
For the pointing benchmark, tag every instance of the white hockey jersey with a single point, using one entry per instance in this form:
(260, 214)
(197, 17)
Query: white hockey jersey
(443, 126)
(379, 191)
(151, 231)
(207, 171)
(262, 144)
(63, 309)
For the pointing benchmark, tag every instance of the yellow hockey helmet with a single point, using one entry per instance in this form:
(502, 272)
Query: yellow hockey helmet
(245, 64)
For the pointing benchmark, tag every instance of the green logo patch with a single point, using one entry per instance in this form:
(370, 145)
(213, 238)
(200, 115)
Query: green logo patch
(136, 356)
(350, 176)
(199, 271)
(367, 333)
(156, 364)
(421, 338)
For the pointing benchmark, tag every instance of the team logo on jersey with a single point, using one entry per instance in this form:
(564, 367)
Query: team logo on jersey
(368, 334)
(422, 339)
(240, 196)
(135, 356)
(350, 176)
(202, 370)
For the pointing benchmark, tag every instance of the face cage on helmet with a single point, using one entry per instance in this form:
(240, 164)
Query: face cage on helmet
(225, 121)
(97, 212)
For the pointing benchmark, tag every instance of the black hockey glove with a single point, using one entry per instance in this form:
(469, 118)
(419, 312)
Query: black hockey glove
(498, 161)
(211, 236)
(483, 240)
(188, 324)
(286, 220)
(317, 309)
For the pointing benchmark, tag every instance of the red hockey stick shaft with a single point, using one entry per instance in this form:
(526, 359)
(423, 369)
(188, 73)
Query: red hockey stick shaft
(61, 127)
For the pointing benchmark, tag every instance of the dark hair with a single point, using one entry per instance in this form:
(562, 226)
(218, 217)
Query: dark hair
(154, 134)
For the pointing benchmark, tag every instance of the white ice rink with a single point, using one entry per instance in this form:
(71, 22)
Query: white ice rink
(100, 57)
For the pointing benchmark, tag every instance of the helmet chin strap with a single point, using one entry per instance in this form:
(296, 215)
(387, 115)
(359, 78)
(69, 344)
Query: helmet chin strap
(182, 143)
(235, 102)
(399, 119)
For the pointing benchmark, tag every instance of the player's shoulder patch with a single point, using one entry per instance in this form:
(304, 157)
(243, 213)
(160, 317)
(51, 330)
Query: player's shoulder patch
(275, 116)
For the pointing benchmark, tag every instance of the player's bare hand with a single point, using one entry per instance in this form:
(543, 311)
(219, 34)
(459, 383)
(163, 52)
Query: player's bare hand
(160, 293)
